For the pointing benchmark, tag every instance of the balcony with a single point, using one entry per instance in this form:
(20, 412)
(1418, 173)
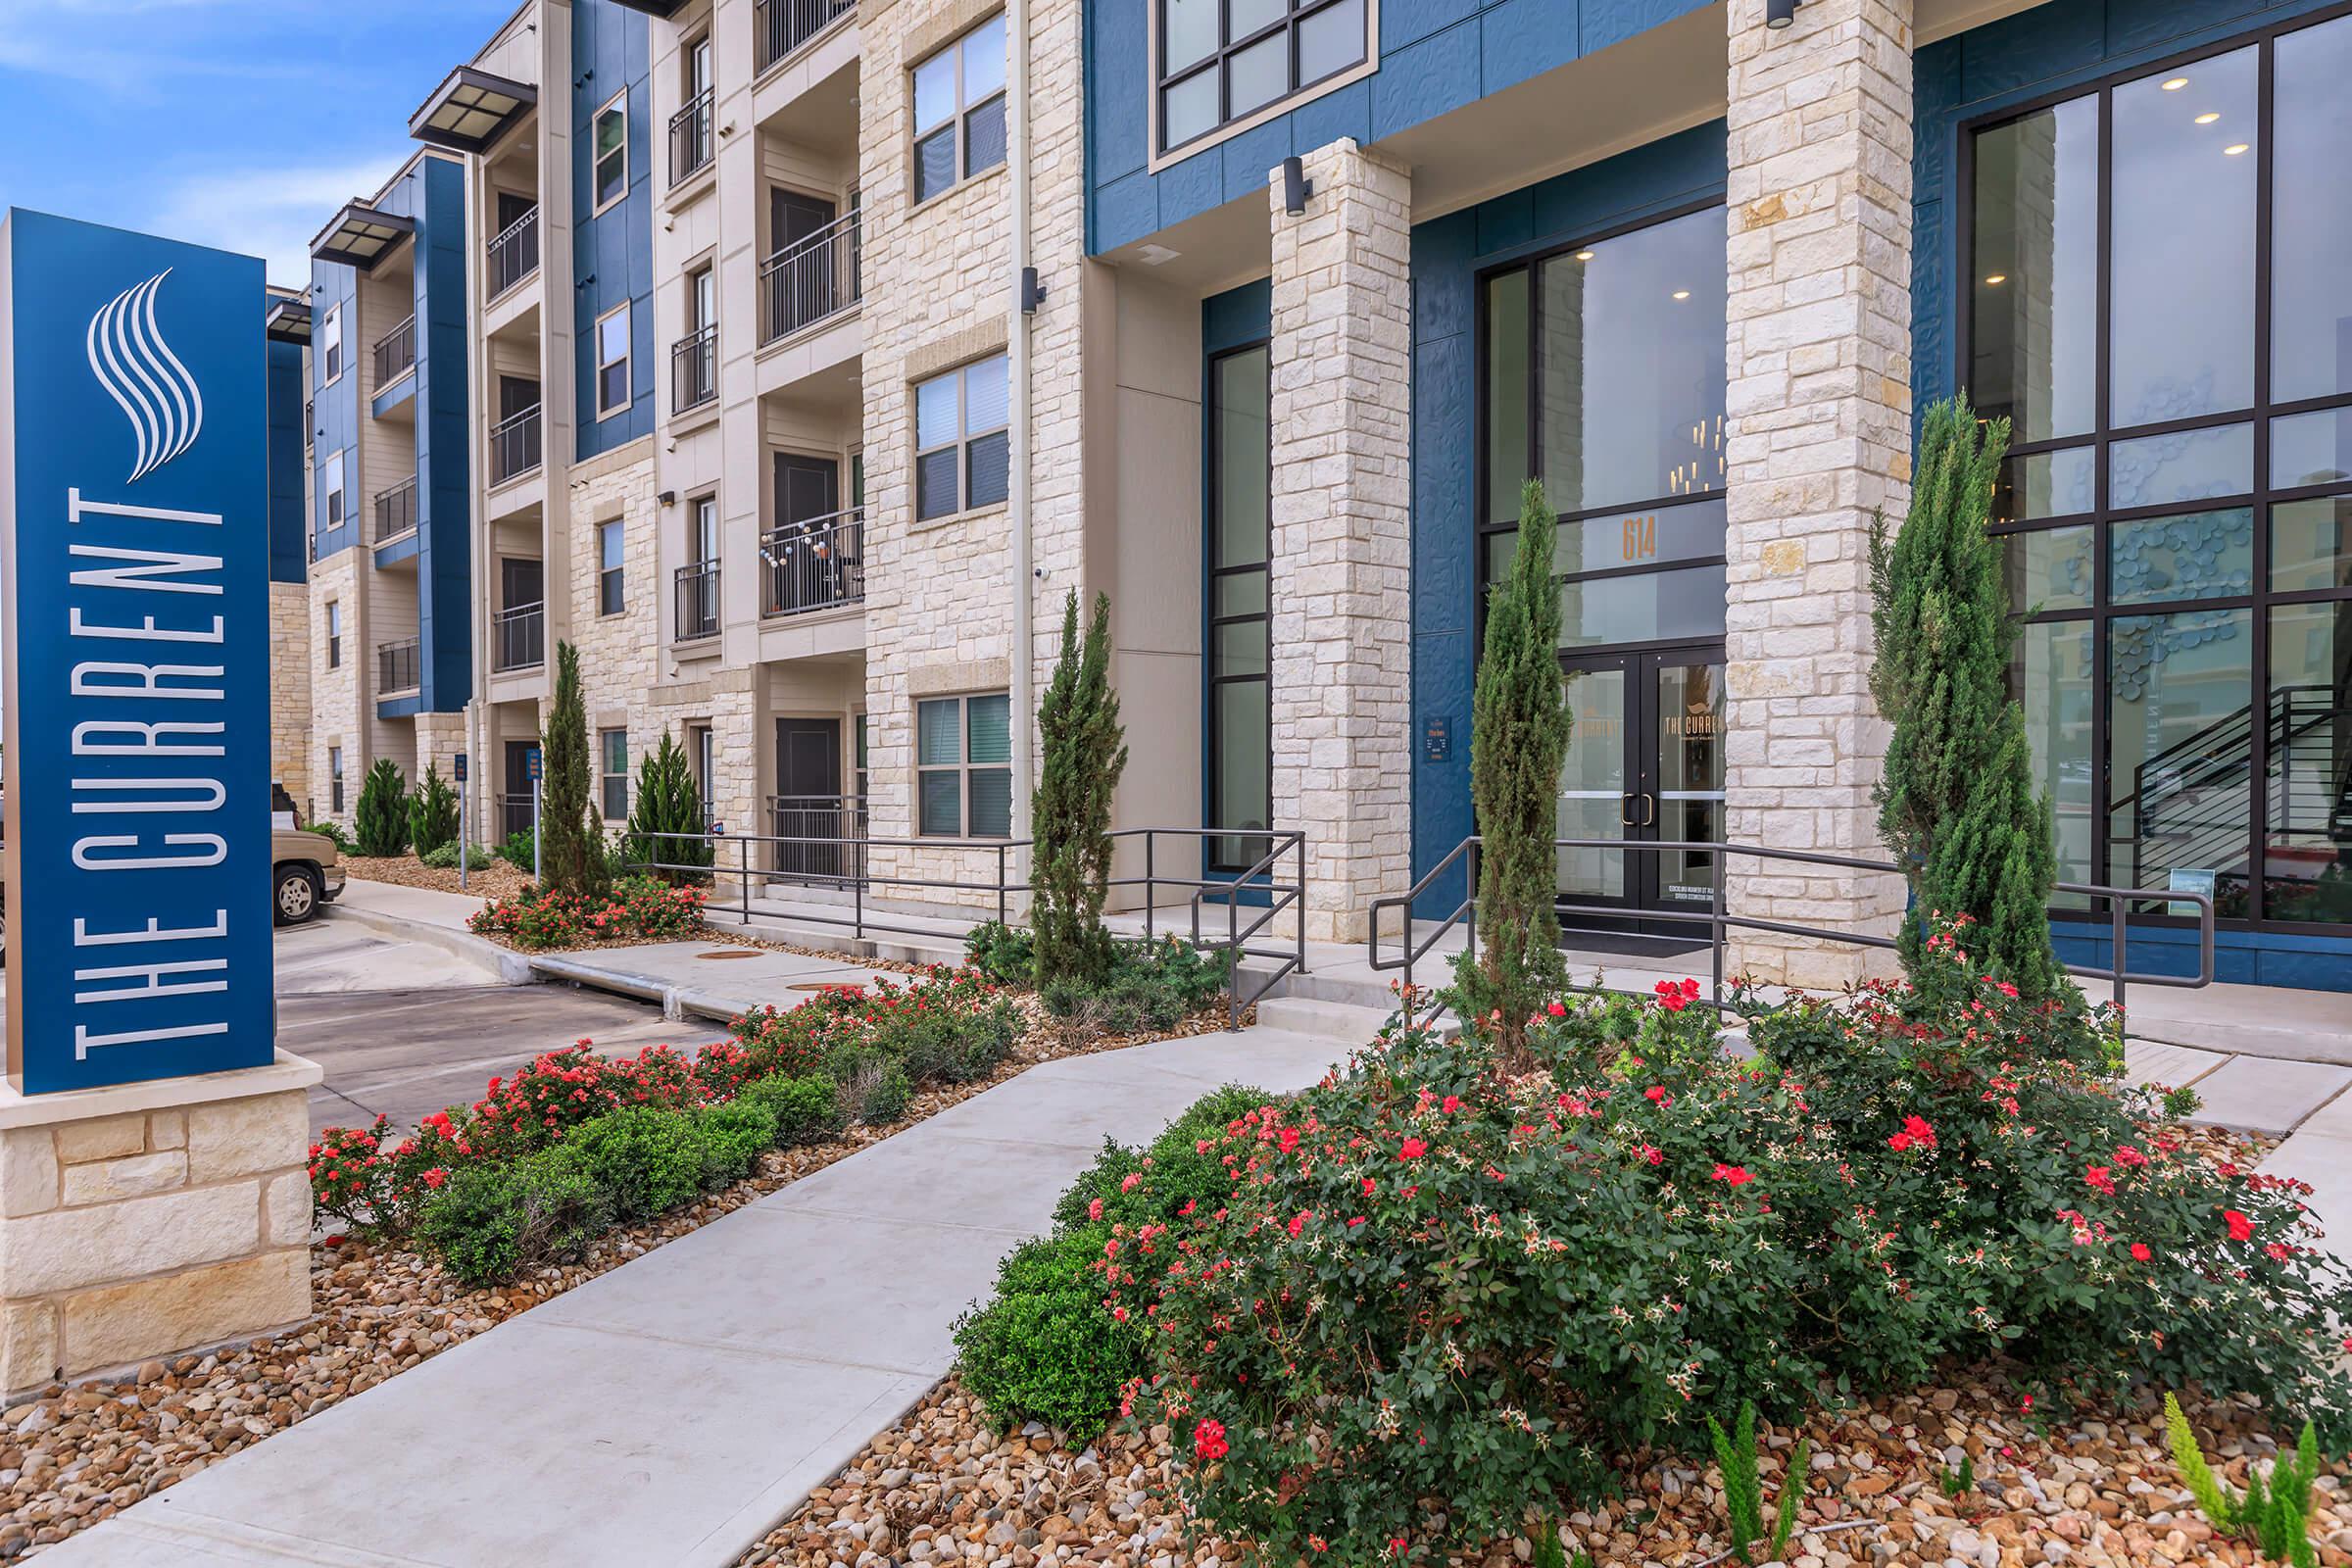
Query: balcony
(780, 27)
(515, 446)
(698, 602)
(813, 564)
(518, 637)
(839, 821)
(809, 279)
(398, 668)
(395, 510)
(396, 353)
(690, 138)
(694, 369)
(514, 253)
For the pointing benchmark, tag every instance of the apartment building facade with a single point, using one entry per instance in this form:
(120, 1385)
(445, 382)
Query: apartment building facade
(1256, 316)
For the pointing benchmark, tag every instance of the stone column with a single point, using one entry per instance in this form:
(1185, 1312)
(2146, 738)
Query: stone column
(1341, 532)
(150, 1218)
(1818, 441)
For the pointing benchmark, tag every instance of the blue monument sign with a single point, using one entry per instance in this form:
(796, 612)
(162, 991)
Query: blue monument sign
(134, 563)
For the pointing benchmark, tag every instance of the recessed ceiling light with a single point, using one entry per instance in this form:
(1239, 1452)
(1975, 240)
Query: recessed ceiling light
(2175, 84)
(1682, 293)
(1157, 255)
(2234, 149)
(1997, 279)
(2207, 118)
(1583, 256)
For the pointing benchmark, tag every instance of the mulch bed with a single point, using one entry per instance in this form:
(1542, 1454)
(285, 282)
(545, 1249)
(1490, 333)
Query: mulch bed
(81, 1453)
(497, 880)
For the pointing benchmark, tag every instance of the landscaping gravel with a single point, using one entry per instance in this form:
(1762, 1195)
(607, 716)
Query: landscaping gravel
(76, 1455)
(497, 880)
(2094, 1487)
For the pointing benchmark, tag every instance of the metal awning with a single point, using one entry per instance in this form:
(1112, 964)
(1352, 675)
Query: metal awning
(288, 317)
(361, 237)
(471, 110)
(654, 8)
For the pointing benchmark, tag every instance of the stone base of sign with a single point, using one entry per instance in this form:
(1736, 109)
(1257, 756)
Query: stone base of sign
(145, 1219)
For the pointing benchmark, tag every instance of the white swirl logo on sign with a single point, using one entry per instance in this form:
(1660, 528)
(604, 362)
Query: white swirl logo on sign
(141, 372)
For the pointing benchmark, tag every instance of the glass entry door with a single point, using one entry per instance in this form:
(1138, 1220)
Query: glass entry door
(1645, 765)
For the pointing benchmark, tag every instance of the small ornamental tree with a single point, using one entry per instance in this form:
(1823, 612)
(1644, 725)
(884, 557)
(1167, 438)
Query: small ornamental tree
(571, 858)
(432, 812)
(380, 823)
(1518, 739)
(668, 804)
(1083, 752)
(1957, 803)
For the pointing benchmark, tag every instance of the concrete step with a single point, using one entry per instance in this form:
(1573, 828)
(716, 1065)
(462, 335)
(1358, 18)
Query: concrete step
(1346, 1022)
(896, 947)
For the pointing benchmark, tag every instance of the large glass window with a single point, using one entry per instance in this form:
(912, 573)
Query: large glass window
(613, 392)
(963, 449)
(1240, 715)
(2178, 530)
(610, 172)
(1224, 60)
(1604, 378)
(959, 110)
(962, 767)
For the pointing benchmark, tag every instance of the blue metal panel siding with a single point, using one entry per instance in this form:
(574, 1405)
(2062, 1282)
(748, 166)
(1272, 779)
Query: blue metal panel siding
(2051, 49)
(445, 566)
(335, 409)
(613, 252)
(1448, 253)
(1435, 56)
(288, 532)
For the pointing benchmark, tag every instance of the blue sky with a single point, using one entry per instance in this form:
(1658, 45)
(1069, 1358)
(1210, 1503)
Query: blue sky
(228, 123)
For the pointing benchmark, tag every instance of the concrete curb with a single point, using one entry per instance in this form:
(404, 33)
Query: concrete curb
(511, 967)
(676, 1002)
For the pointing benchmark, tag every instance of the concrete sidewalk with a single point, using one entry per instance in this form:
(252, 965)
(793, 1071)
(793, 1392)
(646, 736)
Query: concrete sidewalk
(672, 1411)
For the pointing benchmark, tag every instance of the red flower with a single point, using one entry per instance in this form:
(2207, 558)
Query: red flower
(1557, 1009)
(1916, 1133)
(2097, 1177)
(1670, 996)
(1655, 1094)
(1297, 1222)
(1208, 1440)
(435, 1177)
(1654, 1156)
(2240, 1228)
(1413, 1148)
(1736, 1175)
(1453, 1104)
(2140, 1252)
(1094, 1210)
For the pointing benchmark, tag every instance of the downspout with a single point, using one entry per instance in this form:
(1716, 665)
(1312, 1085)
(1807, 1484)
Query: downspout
(479, 384)
(1016, 336)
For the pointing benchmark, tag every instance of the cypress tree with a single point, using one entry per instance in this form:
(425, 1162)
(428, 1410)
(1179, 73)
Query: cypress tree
(380, 822)
(1083, 751)
(571, 850)
(1518, 739)
(668, 803)
(432, 812)
(1956, 802)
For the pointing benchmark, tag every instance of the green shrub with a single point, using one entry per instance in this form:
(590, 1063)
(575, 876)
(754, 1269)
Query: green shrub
(330, 830)
(734, 1135)
(1173, 1177)
(943, 1047)
(668, 805)
(381, 824)
(877, 1092)
(648, 1161)
(2275, 1513)
(1043, 1349)
(491, 1222)
(1004, 953)
(520, 851)
(445, 858)
(807, 1110)
(1743, 1488)
(432, 814)
(1082, 751)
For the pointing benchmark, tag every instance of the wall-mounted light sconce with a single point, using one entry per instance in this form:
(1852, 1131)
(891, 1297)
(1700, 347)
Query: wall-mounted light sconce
(667, 498)
(1295, 186)
(1032, 291)
(1777, 14)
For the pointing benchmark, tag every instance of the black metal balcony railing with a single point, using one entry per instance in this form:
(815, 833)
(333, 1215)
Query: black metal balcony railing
(694, 369)
(514, 253)
(396, 353)
(397, 667)
(779, 27)
(813, 564)
(698, 601)
(690, 137)
(818, 836)
(515, 446)
(514, 813)
(395, 510)
(518, 637)
(809, 279)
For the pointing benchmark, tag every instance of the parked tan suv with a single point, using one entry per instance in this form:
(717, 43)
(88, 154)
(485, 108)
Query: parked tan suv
(305, 871)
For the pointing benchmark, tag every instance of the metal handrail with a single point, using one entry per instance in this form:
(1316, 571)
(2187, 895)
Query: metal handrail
(396, 352)
(816, 564)
(395, 510)
(521, 636)
(690, 137)
(697, 602)
(693, 369)
(1291, 960)
(812, 279)
(513, 253)
(398, 666)
(515, 445)
(1720, 921)
(780, 27)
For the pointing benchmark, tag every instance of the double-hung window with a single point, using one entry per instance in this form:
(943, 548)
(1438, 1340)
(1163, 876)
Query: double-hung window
(613, 756)
(334, 634)
(330, 346)
(612, 394)
(611, 176)
(963, 762)
(335, 507)
(334, 779)
(609, 595)
(959, 110)
(1222, 61)
(963, 451)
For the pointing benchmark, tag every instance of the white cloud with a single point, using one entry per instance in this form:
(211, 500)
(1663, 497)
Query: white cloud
(272, 212)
